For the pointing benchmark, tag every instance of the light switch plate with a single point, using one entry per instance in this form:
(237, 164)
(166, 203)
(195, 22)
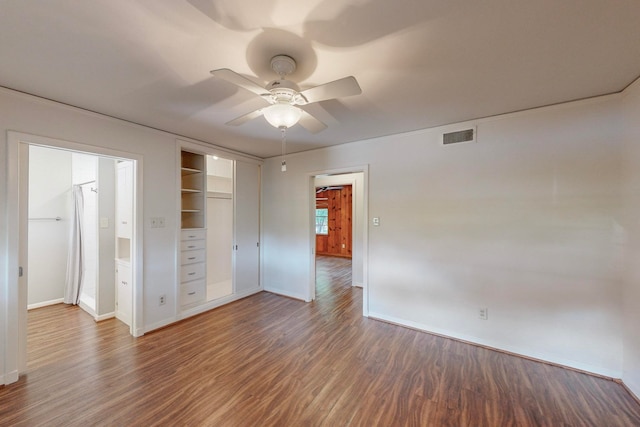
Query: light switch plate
(376, 222)
(104, 222)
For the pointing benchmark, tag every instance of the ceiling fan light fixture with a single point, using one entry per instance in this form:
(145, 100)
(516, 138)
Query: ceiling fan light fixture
(282, 115)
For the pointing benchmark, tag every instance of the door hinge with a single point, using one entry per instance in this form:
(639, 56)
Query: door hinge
(20, 272)
(258, 244)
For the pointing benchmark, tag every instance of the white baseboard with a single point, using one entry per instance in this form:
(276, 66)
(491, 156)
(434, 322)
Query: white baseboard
(87, 309)
(210, 305)
(101, 317)
(45, 303)
(357, 284)
(158, 325)
(9, 378)
(286, 293)
(633, 388)
(516, 351)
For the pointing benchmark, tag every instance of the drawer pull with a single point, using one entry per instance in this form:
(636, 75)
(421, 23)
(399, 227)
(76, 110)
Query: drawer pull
(191, 236)
(191, 246)
(193, 273)
(191, 258)
(192, 293)
(124, 283)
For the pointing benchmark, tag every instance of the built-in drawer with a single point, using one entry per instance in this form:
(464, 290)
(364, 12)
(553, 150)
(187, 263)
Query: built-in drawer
(193, 234)
(190, 245)
(192, 272)
(191, 257)
(192, 292)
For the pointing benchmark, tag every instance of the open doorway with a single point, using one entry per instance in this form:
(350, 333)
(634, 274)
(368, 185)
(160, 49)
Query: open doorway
(57, 222)
(219, 224)
(339, 229)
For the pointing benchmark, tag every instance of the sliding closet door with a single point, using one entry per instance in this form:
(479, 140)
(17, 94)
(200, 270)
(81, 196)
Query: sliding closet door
(247, 227)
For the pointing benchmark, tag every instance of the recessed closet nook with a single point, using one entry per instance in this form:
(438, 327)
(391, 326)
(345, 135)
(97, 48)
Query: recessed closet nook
(219, 230)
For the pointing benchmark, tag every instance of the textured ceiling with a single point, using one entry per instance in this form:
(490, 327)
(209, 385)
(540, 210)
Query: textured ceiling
(420, 63)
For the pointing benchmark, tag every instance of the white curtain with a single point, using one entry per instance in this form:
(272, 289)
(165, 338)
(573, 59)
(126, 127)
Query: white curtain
(75, 260)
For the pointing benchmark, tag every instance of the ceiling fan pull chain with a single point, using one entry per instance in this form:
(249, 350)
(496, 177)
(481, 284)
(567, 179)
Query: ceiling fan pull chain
(283, 166)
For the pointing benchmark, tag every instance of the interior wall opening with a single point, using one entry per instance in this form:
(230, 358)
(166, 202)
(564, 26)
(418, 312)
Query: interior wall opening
(76, 230)
(219, 212)
(339, 235)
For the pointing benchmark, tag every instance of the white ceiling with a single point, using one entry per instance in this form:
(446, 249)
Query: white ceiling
(420, 63)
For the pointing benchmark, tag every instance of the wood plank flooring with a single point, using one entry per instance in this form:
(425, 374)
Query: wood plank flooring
(274, 361)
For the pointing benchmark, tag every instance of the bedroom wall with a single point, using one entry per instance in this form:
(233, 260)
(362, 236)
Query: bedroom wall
(631, 298)
(49, 197)
(525, 222)
(23, 113)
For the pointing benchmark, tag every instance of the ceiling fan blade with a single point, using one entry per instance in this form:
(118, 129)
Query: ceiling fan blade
(310, 123)
(241, 81)
(347, 86)
(243, 119)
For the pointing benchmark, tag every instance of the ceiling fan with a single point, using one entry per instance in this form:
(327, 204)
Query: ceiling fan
(285, 97)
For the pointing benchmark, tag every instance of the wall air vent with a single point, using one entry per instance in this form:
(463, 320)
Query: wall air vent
(459, 136)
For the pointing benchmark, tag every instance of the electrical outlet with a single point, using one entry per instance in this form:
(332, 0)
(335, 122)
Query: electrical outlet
(163, 299)
(483, 313)
(154, 222)
(161, 222)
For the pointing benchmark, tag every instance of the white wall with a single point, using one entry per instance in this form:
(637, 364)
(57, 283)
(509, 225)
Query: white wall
(22, 113)
(525, 222)
(631, 373)
(358, 222)
(49, 197)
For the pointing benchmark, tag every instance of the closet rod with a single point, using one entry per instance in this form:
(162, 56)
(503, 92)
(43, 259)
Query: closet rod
(88, 182)
(46, 219)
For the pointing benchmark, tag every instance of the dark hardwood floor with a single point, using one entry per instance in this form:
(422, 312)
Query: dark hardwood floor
(274, 361)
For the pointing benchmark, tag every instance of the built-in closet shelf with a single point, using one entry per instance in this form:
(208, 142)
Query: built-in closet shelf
(192, 189)
(189, 171)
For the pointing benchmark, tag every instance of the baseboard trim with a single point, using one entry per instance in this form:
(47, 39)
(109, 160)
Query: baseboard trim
(287, 294)
(202, 309)
(626, 387)
(101, 317)
(357, 284)
(9, 378)
(45, 303)
(561, 363)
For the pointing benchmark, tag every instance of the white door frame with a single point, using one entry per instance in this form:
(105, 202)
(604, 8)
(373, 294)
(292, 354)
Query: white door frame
(364, 169)
(17, 216)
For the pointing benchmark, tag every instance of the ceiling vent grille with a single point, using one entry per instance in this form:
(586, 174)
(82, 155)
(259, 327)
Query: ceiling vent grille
(459, 136)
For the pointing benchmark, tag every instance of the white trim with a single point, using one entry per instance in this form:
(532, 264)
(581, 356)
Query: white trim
(611, 373)
(201, 309)
(9, 378)
(106, 316)
(87, 309)
(14, 142)
(45, 303)
(288, 294)
(11, 335)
